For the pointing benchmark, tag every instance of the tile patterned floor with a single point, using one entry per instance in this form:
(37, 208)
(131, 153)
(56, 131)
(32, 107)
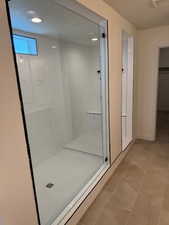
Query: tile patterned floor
(138, 192)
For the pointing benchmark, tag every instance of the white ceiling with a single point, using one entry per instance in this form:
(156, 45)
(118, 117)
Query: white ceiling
(58, 22)
(142, 13)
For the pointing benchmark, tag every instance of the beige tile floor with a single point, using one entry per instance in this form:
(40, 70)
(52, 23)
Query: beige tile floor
(138, 192)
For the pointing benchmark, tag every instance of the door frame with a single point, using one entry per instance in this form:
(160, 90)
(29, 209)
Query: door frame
(157, 87)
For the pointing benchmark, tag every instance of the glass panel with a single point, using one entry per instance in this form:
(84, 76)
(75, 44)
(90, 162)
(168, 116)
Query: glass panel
(25, 45)
(61, 91)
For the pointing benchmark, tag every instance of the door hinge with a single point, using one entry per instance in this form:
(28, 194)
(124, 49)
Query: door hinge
(106, 159)
(99, 73)
(103, 35)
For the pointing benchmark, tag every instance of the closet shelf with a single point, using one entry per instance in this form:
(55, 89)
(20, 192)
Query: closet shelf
(164, 69)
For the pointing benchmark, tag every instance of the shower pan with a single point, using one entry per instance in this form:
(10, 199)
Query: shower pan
(61, 55)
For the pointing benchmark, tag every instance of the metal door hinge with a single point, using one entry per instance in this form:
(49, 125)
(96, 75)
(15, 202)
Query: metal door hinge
(103, 35)
(106, 159)
(99, 73)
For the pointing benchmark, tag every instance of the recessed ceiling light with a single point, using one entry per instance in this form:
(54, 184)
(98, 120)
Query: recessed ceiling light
(94, 39)
(53, 46)
(36, 20)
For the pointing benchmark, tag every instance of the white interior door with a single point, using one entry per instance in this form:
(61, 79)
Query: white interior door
(127, 90)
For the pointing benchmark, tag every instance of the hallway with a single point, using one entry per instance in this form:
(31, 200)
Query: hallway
(163, 126)
(138, 193)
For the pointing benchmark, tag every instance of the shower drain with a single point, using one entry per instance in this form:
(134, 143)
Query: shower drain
(49, 185)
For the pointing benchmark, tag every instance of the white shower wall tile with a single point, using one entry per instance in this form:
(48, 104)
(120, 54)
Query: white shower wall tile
(63, 86)
(80, 64)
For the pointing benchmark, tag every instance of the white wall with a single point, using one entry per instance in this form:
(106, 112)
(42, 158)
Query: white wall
(148, 44)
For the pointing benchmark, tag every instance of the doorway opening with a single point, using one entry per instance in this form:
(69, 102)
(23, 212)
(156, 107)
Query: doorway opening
(127, 89)
(162, 124)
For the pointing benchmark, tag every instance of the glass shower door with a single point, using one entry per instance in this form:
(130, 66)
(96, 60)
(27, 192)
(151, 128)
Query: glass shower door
(62, 80)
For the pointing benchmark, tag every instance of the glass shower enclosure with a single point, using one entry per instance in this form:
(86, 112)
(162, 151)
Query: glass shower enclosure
(61, 66)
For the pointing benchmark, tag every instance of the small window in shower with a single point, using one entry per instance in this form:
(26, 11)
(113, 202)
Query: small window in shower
(25, 45)
(64, 95)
